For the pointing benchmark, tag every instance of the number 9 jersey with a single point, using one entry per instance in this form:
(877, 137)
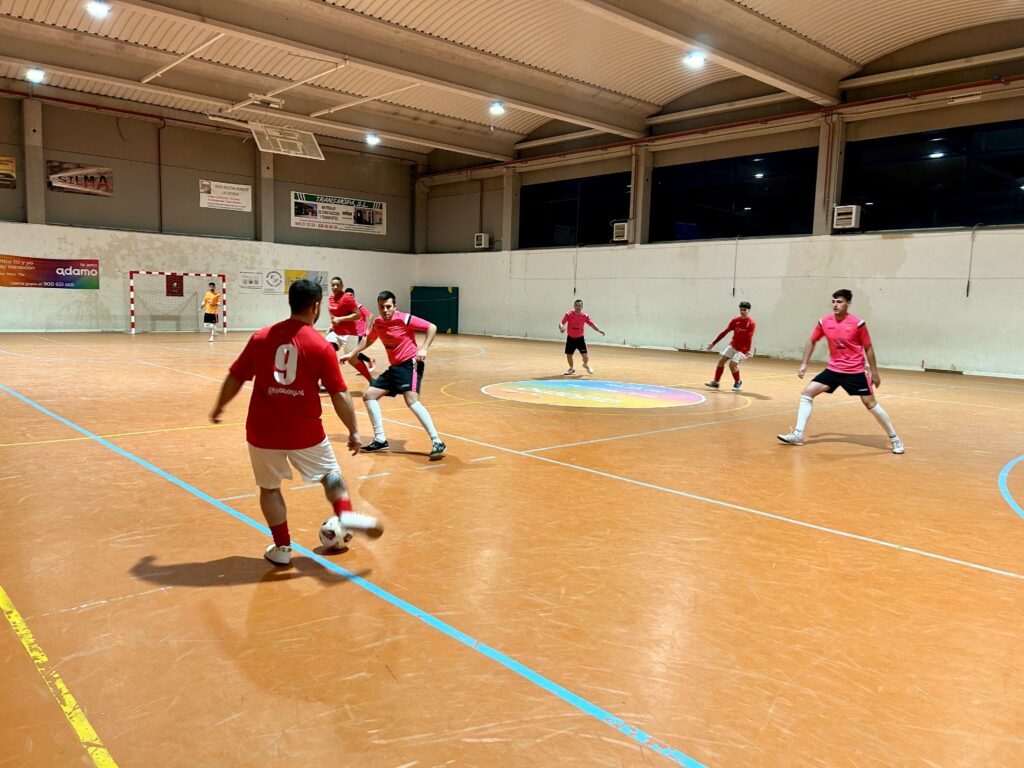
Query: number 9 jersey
(287, 362)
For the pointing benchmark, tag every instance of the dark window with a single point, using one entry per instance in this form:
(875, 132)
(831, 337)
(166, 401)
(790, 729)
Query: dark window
(755, 196)
(572, 212)
(957, 177)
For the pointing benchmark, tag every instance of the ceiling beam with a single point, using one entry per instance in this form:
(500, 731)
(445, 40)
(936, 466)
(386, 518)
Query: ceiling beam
(103, 60)
(735, 38)
(932, 69)
(314, 30)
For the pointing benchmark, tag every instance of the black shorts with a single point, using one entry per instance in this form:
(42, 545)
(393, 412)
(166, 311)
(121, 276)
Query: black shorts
(575, 344)
(401, 378)
(855, 384)
(208, 318)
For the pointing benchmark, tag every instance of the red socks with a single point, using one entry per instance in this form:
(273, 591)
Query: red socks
(342, 505)
(360, 366)
(735, 374)
(281, 536)
(718, 372)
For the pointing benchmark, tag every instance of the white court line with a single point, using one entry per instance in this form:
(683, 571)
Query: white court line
(178, 370)
(729, 505)
(439, 465)
(243, 496)
(484, 458)
(367, 477)
(848, 401)
(302, 487)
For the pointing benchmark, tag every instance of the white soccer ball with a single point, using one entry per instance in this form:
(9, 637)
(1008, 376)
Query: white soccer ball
(333, 535)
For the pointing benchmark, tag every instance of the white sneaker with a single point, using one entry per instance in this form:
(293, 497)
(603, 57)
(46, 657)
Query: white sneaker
(588, 369)
(897, 444)
(367, 524)
(278, 555)
(737, 386)
(792, 438)
(211, 338)
(569, 372)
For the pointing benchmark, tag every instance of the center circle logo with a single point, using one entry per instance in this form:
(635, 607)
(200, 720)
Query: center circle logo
(587, 393)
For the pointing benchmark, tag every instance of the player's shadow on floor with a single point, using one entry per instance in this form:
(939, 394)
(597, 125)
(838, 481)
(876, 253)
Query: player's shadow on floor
(557, 376)
(709, 392)
(233, 571)
(878, 442)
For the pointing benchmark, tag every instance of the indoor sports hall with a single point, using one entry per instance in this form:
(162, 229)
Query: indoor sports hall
(717, 305)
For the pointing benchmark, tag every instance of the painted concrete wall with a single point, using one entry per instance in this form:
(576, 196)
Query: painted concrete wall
(106, 309)
(911, 289)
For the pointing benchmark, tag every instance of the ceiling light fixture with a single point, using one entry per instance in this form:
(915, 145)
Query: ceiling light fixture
(97, 9)
(372, 139)
(758, 175)
(35, 75)
(695, 59)
(936, 155)
(497, 108)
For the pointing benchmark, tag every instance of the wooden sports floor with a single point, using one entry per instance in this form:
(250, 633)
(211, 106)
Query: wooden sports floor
(570, 586)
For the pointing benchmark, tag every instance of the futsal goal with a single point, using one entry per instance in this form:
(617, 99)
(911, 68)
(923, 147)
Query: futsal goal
(169, 302)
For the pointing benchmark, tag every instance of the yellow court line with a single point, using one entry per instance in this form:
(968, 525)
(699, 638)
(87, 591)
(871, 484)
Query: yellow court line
(76, 717)
(124, 434)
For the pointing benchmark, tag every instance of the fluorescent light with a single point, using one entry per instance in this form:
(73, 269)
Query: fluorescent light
(758, 175)
(35, 75)
(873, 203)
(747, 208)
(372, 139)
(97, 9)
(497, 108)
(936, 155)
(695, 59)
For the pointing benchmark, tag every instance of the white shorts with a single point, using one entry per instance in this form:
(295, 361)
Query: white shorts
(732, 354)
(347, 343)
(270, 466)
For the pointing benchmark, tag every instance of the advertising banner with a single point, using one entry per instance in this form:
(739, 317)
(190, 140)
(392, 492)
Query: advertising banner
(80, 179)
(227, 197)
(338, 214)
(27, 272)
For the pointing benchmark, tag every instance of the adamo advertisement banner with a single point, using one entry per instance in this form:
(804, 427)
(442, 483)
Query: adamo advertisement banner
(27, 272)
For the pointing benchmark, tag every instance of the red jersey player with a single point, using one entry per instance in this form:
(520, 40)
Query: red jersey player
(286, 361)
(848, 345)
(397, 332)
(364, 315)
(742, 328)
(572, 325)
(344, 312)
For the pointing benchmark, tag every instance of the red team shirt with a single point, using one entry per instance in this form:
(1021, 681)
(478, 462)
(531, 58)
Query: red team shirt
(575, 322)
(398, 335)
(346, 305)
(742, 334)
(288, 361)
(846, 342)
(364, 315)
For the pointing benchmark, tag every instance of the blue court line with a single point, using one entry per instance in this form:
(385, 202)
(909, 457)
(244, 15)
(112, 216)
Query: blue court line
(508, 662)
(1005, 489)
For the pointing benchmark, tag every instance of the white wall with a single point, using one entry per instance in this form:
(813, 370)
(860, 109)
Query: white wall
(106, 309)
(910, 288)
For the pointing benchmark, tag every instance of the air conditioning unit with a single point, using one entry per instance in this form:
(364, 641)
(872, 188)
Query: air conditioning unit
(481, 240)
(846, 217)
(620, 231)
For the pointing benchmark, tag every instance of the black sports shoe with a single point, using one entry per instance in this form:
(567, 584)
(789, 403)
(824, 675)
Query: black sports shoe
(437, 450)
(376, 445)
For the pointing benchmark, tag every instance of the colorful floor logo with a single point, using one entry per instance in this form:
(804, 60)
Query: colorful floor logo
(586, 393)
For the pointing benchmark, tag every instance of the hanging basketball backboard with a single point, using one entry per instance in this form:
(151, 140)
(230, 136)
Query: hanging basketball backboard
(286, 141)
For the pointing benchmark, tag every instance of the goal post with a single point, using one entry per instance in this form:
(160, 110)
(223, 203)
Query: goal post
(172, 302)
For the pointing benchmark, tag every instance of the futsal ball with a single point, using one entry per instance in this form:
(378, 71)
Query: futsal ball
(333, 534)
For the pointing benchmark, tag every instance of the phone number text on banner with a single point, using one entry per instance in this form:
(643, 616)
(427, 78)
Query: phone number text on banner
(338, 214)
(28, 272)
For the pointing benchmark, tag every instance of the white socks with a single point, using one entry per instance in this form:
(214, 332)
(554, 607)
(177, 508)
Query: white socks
(803, 413)
(424, 417)
(883, 418)
(376, 420)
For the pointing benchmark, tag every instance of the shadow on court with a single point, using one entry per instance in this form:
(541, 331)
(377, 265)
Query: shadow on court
(876, 441)
(233, 571)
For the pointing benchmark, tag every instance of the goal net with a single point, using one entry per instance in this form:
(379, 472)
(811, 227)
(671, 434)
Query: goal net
(173, 301)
